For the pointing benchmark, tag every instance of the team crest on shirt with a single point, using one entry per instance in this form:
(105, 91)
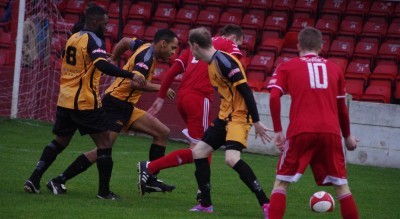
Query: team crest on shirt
(142, 65)
(233, 72)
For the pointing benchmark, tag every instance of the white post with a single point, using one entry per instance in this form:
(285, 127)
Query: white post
(18, 56)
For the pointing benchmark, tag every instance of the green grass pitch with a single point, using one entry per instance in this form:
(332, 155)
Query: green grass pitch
(376, 190)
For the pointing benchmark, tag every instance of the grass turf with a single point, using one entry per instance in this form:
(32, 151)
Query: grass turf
(21, 143)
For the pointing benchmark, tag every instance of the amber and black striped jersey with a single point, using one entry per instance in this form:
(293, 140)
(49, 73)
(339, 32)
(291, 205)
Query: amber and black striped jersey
(226, 72)
(141, 62)
(79, 77)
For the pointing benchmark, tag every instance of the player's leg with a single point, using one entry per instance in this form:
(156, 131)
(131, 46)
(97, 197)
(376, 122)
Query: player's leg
(200, 153)
(64, 128)
(142, 123)
(332, 169)
(236, 141)
(348, 208)
(78, 166)
(293, 161)
(104, 164)
(95, 124)
(277, 206)
(246, 174)
(213, 138)
(195, 111)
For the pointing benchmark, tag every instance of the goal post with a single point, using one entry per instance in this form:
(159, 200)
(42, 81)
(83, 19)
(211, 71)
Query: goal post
(17, 64)
(31, 91)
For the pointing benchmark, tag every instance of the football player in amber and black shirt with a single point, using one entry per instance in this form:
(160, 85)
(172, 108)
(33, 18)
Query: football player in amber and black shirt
(119, 106)
(238, 112)
(79, 105)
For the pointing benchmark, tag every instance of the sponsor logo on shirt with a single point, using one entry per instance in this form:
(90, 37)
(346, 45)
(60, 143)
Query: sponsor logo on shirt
(142, 65)
(99, 50)
(233, 72)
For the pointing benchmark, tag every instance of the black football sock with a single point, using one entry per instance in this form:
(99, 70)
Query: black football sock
(155, 152)
(80, 165)
(49, 155)
(104, 166)
(249, 178)
(202, 174)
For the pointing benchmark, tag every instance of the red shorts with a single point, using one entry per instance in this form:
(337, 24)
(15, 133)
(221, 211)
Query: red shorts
(195, 111)
(323, 152)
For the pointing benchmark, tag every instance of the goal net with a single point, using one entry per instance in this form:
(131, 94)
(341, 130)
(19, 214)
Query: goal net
(44, 36)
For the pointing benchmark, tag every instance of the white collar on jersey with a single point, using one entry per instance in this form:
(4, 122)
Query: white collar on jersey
(310, 53)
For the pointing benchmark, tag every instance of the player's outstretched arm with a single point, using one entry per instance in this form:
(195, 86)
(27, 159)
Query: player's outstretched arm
(110, 69)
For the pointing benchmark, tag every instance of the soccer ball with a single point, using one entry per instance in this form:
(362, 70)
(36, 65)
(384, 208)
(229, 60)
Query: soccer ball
(322, 202)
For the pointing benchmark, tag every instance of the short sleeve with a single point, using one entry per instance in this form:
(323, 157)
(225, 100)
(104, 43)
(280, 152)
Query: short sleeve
(143, 62)
(96, 48)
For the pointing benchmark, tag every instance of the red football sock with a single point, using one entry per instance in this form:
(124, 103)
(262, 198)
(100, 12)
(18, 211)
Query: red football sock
(277, 204)
(173, 159)
(348, 207)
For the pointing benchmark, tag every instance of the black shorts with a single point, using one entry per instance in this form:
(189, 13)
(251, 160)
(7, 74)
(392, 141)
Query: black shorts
(118, 112)
(86, 121)
(215, 136)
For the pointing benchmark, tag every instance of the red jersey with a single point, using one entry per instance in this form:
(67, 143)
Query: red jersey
(314, 85)
(195, 77)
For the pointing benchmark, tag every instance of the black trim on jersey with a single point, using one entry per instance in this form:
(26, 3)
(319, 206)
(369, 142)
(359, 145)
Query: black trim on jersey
(77, 94)
(91, 87)
(130, 95)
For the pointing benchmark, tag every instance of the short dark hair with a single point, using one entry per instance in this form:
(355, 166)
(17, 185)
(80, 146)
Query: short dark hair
(201, 36)
(94, 12)
(164, 34)
(231, 29)
(310, 39)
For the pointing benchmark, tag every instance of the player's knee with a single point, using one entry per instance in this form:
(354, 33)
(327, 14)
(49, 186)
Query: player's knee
(231, 161)
(342, 189)
(164, 133)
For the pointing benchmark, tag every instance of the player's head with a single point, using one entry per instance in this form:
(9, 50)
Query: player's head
(199, 41)
(232, 32)
(310, 40)
(165, 43)
(96, 20)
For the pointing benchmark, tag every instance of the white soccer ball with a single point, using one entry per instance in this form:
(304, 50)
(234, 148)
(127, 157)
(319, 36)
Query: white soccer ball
(322, 202)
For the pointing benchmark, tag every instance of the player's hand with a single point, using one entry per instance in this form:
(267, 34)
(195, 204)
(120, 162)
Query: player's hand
(261, 131)
(139, 79)
(280, 140)
(156, 107)
(170, 94)
(351, 142)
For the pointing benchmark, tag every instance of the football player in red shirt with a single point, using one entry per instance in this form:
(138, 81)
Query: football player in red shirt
(194, 95)
(318, 117)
